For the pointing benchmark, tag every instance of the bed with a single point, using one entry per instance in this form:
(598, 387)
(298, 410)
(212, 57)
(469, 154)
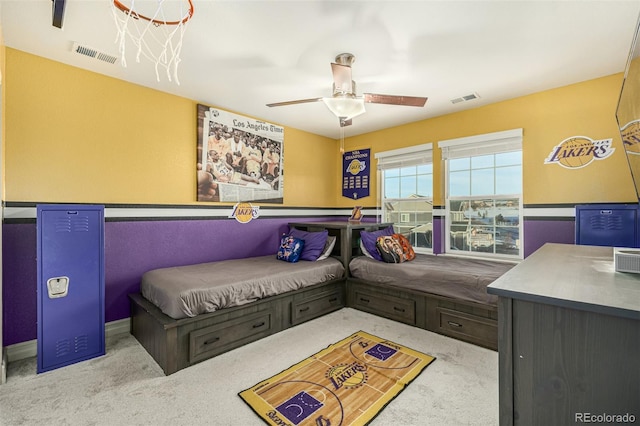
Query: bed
(189, 291)
(444, 294)
(184, 315)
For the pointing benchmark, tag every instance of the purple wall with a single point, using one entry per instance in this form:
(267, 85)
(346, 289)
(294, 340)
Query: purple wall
(19, 278)
(538, 232)
(134, 247)
(131, 248)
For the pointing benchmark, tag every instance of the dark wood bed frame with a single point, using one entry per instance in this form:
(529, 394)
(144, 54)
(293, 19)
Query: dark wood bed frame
(177, 344)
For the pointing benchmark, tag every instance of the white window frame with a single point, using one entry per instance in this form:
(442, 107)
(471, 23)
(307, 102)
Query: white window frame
(485, 144)
(398, 158)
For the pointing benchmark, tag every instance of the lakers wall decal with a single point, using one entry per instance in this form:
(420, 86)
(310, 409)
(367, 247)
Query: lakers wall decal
(579, 151)
(245, 212)
(631, 137)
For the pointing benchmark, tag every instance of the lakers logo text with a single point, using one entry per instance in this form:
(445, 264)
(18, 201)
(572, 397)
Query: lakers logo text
(579, 151)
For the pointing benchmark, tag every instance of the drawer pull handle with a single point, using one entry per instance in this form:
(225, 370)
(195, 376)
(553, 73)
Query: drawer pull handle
(258, 325)
(454, 324)
(210, 341)
(395, 308)
(364, 300)
(306, 308)
(333, 299)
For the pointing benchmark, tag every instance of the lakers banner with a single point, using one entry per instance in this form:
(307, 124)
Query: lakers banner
(347, 383)
(355, 174)
(239, 159)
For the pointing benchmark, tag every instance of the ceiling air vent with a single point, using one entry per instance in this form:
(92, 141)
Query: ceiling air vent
(465, 98)
(93, 53)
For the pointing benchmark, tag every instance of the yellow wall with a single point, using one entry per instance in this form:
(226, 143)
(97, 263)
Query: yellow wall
(547, 118)
(78, 136)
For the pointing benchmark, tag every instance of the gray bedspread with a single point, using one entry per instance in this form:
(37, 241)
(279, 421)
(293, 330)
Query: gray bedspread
(455, 277)
(186, 291)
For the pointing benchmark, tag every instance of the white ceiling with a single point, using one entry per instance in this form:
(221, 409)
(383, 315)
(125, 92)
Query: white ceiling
(240, 55)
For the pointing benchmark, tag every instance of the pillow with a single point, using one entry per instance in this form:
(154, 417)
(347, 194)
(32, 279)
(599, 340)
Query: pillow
(313, 242)
(364, 251)
(368, 239)
(407, 250)
(328, 247)
(389, 249)
(290, 248)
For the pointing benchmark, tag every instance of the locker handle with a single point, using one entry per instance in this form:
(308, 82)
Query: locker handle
(57, 287)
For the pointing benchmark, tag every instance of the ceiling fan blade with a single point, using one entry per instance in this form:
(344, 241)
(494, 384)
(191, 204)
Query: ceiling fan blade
(299, 101)
(373, 98)
(342, 78)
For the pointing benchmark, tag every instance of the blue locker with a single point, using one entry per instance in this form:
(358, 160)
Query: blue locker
(70, 259)
(614, 225)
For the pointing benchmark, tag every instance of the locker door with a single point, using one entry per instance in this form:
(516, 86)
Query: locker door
(70, 284)
(606, 225)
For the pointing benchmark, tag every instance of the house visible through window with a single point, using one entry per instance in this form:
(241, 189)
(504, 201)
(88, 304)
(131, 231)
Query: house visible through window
(407, 193)
(483, 181)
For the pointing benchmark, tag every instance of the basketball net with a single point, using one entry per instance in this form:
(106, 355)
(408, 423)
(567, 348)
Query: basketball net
(153, 35)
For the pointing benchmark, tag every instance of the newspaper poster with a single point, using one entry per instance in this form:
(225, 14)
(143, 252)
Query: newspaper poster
(355, 174)
(239, 159)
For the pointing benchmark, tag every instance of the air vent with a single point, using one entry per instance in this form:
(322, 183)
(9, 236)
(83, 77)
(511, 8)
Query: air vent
(93, 53)
(465, 98)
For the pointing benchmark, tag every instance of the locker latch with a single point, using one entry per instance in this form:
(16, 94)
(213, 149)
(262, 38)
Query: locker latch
(57, 287)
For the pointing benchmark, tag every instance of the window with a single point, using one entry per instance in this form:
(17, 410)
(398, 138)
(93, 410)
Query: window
(483, 181)
(406, 189)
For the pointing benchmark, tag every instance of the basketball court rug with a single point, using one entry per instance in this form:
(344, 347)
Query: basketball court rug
(348, 383)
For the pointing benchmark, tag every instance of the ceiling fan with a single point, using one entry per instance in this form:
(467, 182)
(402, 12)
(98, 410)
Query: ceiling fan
(344, 103)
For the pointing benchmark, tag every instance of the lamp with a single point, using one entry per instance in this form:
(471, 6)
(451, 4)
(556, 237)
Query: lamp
(345, 105)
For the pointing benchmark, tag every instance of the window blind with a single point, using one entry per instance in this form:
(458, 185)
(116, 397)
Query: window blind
(404, 157)
(489, 143)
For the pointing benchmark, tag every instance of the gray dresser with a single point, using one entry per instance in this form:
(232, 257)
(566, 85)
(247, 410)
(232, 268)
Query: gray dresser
(568, 339)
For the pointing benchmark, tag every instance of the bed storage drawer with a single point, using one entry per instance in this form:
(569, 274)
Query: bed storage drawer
(209, 341)
(316, 305)
(468, 327)
(395, 308)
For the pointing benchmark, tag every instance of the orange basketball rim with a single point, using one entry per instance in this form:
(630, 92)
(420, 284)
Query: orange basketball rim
(137, 15)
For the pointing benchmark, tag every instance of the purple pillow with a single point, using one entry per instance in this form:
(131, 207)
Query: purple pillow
(369, 240)
(313, 243)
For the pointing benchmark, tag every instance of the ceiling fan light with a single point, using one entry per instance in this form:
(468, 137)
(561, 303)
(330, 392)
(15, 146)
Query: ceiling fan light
(345, 107)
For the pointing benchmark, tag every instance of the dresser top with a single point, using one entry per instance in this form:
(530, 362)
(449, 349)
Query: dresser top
(573, 276)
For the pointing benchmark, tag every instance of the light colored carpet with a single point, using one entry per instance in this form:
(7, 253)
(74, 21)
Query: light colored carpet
(126, 387)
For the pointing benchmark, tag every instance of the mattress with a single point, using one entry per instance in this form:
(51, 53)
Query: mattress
(187, 291)
(454, 277)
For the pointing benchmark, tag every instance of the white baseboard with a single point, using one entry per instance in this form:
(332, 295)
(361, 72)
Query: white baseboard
(3, 368)
(29, 349)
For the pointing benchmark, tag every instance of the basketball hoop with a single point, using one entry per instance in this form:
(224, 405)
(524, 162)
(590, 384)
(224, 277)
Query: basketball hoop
(154, 36)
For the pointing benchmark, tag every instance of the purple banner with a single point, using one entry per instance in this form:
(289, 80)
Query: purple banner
(355, 174)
